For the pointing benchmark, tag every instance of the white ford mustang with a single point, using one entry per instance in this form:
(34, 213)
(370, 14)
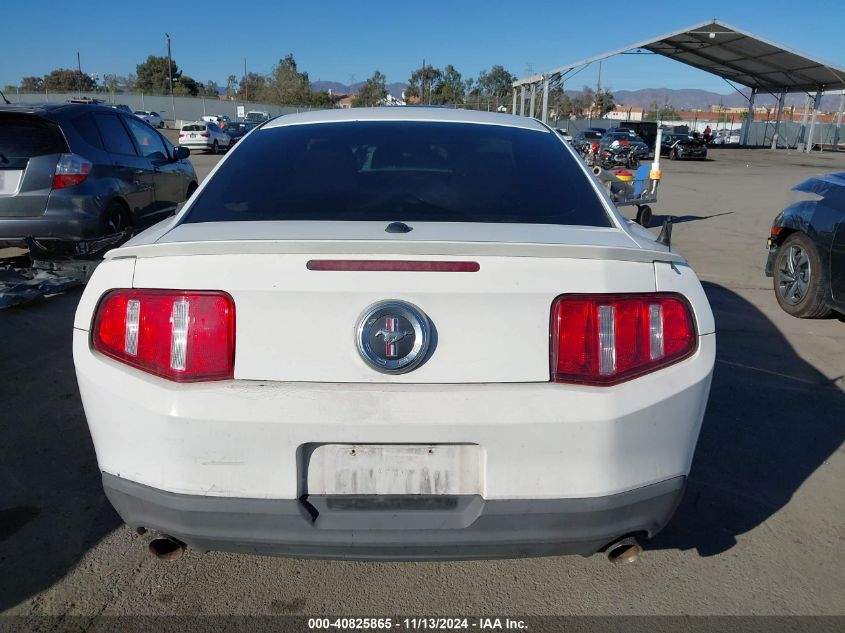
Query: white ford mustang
(396, 333)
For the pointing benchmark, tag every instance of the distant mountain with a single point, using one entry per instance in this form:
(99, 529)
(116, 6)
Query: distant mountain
(394, 89)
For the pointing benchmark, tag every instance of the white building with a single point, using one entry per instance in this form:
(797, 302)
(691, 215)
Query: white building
(626, 113)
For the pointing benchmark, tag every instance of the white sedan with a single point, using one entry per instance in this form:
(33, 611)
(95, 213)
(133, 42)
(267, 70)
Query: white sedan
(153, 118)
(391, 334)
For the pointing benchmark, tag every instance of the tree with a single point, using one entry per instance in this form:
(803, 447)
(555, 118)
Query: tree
(186, 86)
(323, 99)
(153, 76)
(66, 80)
(604, 102)
(211, 89)
(286, 85)
(449, 88)
(32, 84)
(583, 102)
(494, 87)
(560, 105)
(372, 92)
(421, 84)
(252, 87)
(231, 82)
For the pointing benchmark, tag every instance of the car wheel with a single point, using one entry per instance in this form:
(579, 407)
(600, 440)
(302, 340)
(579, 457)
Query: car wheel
(114, 219)
(644, 215)
(215, 148)
(799, 281)
(160, 124)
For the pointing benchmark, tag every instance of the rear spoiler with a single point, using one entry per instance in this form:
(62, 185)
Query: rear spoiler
(391, 247)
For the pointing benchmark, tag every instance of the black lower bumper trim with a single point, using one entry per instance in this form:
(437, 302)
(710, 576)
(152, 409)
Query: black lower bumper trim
(397, 528)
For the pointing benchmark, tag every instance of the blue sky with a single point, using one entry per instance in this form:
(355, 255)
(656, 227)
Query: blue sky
(341, 40)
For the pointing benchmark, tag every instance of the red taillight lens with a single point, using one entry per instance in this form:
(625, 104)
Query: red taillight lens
(205, 135)
(608, 339)
(185, 336)
(70, 171)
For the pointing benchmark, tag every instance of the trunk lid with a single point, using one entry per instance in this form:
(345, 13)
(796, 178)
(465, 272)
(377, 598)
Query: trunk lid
(296, 324)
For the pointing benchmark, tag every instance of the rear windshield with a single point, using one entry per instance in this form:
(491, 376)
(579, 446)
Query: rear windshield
(592, 135)
(193, 128)
(397, 170)
(24, 137)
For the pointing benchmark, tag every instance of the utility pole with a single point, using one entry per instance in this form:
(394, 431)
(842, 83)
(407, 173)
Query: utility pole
(170, 75)
(598, 94)
(79, 77)
(246, 85)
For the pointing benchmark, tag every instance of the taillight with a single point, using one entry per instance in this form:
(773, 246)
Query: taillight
(608, 339)
(185, 336)
(205, 135)
(70, 171)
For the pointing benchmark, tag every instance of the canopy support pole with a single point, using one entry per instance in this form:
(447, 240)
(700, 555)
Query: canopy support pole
(781, 100)
(838, 129)
(803, 131)
(513, 109)
(545, 116)
(816, 102)
(522, 101)
(533, 99)
(750, 118)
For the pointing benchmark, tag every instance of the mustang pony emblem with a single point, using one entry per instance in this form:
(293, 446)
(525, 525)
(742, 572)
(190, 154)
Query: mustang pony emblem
(391, 336)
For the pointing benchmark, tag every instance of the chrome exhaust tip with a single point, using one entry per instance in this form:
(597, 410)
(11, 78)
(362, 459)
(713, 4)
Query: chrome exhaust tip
(167, 548)
(626, 550)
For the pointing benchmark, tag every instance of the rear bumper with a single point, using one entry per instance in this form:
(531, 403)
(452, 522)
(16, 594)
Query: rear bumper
(400, 527)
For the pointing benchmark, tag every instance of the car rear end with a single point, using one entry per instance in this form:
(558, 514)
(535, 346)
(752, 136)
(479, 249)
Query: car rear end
(48, 188)
(245, 367)
(196, 136)
(691, 148)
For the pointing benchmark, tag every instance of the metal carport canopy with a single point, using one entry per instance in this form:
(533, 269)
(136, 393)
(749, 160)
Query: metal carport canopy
(733, 54)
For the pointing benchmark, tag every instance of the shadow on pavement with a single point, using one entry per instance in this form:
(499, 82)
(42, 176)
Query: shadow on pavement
(658, 220)
(52, 507)
(772, 420)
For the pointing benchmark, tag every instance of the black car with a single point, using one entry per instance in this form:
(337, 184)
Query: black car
(237, 130)
(71, 173)
(679, 146)
(807, 250)
(646, 130)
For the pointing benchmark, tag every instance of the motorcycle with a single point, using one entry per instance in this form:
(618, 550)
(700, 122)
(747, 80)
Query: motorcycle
(619, 156)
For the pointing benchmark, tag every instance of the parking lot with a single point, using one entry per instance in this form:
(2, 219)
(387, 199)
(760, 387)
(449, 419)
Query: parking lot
(760, 530)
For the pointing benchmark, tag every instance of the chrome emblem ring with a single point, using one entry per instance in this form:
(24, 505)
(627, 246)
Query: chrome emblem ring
(393, 336)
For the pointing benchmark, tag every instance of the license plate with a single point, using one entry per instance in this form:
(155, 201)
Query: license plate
(401, 469)
(9, 181)
(192, 135)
